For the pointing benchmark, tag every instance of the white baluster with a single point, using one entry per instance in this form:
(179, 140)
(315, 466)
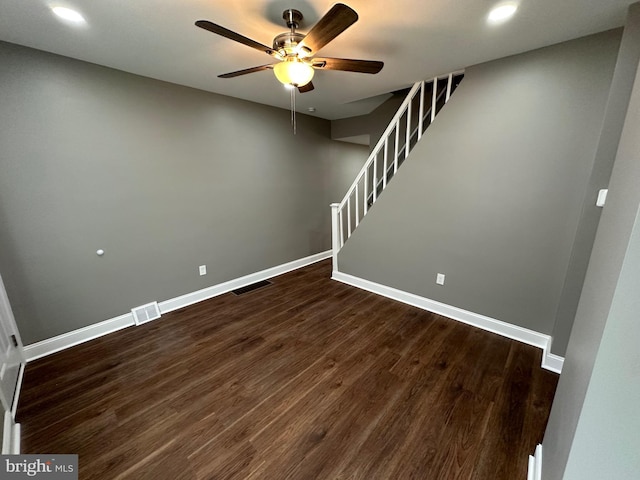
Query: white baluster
(341, 220)
(395, 156)
(408, 133)
(449, 82)
(434, 98)
(375, 179)
(366, 194)
(385, 163)
(357, 209)
(348, 217)
(420, 119)
(335, 234)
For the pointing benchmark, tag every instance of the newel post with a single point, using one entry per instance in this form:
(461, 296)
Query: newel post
(335, 234)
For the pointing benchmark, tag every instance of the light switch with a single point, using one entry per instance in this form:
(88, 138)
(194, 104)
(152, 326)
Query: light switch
(602, 197)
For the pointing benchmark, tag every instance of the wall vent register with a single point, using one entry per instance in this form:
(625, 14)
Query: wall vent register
(146, 313)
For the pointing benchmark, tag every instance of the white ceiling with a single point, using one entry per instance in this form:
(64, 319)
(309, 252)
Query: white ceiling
(416, 39)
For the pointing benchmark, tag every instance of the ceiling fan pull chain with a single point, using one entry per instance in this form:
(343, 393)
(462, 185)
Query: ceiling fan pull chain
(293, 109)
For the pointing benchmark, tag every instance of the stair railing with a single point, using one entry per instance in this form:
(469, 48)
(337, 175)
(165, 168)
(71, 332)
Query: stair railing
(392, 148)
(401, 154)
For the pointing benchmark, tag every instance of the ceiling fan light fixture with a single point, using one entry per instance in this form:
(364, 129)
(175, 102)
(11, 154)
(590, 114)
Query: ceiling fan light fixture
(293, 72)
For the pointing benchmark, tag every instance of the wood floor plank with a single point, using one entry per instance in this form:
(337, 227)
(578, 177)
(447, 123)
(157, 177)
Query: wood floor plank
(507, 419)
(303, 379)
(338, 367)
(324, 431)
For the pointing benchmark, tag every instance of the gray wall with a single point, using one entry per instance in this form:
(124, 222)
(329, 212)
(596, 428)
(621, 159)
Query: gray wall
(380, 118)
(369, 126)
(493, 193)
(163, 178)
(617, 103)
(594, 423)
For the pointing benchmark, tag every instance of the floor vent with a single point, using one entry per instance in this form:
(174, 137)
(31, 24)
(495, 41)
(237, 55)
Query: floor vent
(253, 286)
(146, 313)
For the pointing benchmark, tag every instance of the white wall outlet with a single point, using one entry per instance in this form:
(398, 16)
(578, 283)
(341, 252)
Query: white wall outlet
(203, 269)
(440, 279)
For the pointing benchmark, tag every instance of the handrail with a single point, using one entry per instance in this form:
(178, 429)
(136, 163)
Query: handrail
(381, 141)
(414, 133)
(427, 113)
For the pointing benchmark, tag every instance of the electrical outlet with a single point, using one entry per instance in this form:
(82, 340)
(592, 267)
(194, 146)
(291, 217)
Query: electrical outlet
(203, 269)
(440, 279)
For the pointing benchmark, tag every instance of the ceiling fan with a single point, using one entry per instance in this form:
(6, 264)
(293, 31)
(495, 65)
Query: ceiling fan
(296, 51)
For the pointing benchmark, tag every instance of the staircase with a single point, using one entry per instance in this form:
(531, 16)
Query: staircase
(419, 109)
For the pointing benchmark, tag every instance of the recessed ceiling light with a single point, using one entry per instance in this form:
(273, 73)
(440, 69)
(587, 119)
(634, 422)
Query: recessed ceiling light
(68, 14)
(502, 12)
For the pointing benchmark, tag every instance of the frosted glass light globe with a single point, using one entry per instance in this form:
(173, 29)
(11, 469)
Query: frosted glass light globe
(293, 72)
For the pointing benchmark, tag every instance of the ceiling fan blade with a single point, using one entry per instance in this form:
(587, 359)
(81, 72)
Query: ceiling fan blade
(335, 21)
(245, 71)
(347, 65)
(225, 32)
(306, 88)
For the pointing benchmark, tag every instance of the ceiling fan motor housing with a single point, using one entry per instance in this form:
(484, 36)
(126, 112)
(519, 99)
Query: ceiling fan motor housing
(286, 43)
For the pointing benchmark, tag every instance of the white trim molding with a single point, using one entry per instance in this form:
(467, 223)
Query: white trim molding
(215, 290)
(76, 337)
(16, 396)
(535, 465)
(514, 332)
(10, 436)
(552, 362)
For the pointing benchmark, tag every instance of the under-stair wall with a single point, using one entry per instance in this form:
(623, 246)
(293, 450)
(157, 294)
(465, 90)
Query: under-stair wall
(415, 114)
(492, 194)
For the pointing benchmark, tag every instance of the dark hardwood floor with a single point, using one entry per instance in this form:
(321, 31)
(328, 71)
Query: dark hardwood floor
(303, 379)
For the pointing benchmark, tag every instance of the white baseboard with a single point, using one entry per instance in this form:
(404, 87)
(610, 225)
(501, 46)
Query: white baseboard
(505, 329)
(552, 362)
(215, 290)
(52, 345)
(535, 465)
(10, 436)
(75, 337)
